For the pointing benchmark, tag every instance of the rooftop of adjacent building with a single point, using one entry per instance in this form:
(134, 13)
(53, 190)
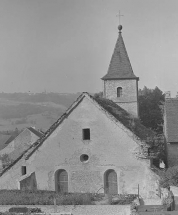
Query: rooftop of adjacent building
(171, 117)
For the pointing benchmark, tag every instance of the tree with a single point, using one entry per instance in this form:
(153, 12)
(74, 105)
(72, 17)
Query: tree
(98, 95)
(6, 160)
(150, 112)
(170, 177)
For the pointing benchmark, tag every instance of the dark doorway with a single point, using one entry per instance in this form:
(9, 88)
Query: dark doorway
(61, 181)
(110, 182)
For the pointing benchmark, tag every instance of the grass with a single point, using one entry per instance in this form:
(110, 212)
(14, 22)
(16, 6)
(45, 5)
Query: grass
(43, 197)
(17, 197)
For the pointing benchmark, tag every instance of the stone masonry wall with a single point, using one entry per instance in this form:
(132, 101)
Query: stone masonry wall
(128, 100)
(130, 107)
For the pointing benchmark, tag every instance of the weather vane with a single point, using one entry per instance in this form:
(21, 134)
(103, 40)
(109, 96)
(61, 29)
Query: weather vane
(119, 15)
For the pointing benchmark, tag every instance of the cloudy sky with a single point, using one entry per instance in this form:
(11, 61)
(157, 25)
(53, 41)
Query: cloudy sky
(66, 45)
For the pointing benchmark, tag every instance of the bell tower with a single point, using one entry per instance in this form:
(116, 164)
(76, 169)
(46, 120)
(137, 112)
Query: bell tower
(120, 83)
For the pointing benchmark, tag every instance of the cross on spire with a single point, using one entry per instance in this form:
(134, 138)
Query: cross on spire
(119, 15)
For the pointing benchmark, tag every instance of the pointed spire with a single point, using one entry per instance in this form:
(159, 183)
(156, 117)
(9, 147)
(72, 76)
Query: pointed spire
(120, 66)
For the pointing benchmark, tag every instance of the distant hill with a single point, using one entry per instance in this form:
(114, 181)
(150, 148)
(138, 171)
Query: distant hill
(40, 110)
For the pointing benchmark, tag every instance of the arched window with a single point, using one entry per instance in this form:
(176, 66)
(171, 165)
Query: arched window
(110, 182)
(119, 91)
(61, 181)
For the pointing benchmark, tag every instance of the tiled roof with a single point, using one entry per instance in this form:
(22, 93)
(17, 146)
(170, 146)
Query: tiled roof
(3, 140)
(119, 114)
(11, 138)
(171, 119)
(120, 66)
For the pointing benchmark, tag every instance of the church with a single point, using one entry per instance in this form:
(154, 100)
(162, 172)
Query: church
(97, 146)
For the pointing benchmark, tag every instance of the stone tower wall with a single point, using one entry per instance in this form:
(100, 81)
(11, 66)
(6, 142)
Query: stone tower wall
(129, 98)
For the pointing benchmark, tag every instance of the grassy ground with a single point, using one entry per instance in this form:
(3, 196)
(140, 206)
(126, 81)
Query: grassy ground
(17, 197)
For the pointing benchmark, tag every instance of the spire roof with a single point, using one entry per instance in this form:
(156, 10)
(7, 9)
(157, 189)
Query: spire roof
(120, 66)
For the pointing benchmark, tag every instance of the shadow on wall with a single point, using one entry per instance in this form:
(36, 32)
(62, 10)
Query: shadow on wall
(29, 183)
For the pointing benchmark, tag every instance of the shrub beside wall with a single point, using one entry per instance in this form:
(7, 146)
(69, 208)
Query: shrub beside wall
(18, 197)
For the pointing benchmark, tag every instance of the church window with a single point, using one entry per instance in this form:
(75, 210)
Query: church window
(119, 91)
(84, 158)
(86, 134)
(61, 181)
(24, 170)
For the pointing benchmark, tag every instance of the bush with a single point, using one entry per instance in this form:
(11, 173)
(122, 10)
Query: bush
(17, 197)
(170, 177)
(122, 199)
(18, 210)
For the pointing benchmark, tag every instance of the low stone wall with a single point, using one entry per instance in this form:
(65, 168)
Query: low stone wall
(77, 209)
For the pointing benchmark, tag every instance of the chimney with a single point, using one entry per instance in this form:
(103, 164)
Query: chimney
(168, 95)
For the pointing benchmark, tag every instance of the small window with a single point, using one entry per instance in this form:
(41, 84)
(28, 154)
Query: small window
(84, 158)
(86, 134)
(119, 91)
(24, 170)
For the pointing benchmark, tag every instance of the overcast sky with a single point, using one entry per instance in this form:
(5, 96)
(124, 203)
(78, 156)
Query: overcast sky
(66, 45)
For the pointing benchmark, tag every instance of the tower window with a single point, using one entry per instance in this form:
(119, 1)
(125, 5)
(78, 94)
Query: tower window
(24, 170)
(86, 134)
(119, 91)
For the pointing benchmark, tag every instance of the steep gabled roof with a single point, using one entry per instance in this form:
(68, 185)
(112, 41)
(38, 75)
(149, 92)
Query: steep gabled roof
(171, 119)
(3, 140)
(9, 138)
(120, 66)
(133, 124)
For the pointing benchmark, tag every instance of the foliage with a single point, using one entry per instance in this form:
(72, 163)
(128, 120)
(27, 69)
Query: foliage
(17, 197)
(18, 210)
(5, 160)
(151, 116)
(43, 197)
(22, 210)
(125, 118)
(35, 210)
(169, 177)
(124, 199)
(150, 103)
(98, 95)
